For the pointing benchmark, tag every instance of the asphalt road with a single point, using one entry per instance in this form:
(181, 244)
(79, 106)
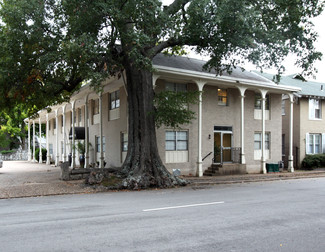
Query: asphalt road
(270, 216)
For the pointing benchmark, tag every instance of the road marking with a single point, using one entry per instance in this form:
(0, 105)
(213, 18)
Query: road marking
(184, 206)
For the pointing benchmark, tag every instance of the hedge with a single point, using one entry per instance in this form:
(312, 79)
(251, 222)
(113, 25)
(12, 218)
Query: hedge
(311, 162)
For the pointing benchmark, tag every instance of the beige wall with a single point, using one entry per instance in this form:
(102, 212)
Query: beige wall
(308, 126)
(301, 125)
(213, 115)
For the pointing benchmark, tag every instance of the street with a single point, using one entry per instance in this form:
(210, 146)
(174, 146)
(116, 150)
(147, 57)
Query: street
(270, 216)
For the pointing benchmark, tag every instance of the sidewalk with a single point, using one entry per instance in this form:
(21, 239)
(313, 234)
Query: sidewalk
(25, 179)
(246, 178)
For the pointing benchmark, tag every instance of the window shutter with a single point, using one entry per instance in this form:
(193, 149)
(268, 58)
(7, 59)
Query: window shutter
(307, 143)
(323, 142)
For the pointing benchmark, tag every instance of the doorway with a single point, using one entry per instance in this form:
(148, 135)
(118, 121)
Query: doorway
(222, 147)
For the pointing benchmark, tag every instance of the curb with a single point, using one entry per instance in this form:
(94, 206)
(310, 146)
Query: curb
(240, 181)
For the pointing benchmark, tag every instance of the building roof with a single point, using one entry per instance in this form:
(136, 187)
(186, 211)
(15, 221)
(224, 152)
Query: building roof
(308, 88)
(196, 65)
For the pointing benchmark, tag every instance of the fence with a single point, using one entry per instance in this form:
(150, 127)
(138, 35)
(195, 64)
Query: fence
(15, 156)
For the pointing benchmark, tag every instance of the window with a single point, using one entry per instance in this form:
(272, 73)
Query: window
(62, 121)
(258, 102)
(79, 115)
(124, 141)
(176, 87)
(222, 97)
(54, 124)
(283, 107)
(176, 140)
(314, 143)
(258, 141)
(115, 99)
(51, 149)
(95, 107)
(315, 109)
(97, 141)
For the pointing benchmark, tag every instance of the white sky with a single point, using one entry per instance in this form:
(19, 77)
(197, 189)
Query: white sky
(319, 23)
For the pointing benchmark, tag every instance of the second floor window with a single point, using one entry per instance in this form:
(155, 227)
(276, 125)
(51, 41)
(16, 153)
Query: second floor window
(258, 102)
(115, 100)
(315, 111)
(95, 107)
(79, 115)
(222, 97)
(176, 87)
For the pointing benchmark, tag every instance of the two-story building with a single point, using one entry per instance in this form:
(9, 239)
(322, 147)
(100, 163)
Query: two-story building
(238, 121)
(308, 119)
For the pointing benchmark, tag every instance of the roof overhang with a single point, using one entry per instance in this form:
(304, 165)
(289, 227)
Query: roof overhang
(212, 79)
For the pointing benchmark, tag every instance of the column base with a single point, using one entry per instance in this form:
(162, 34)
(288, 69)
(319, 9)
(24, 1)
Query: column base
(263, 164)
(290, 165)
(199, 172)
(243, 159)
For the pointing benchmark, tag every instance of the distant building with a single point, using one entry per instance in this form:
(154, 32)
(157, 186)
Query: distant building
(308, 119)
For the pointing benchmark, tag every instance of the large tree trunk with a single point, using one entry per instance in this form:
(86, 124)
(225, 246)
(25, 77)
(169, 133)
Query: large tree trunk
(143, 167)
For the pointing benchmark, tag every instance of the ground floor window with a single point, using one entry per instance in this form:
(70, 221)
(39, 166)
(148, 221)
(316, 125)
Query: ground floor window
(176, 146)
(314, 143)
(258, 141)
(176, 140)
(97, 141)
(50, 149)
(124, 142)
(258, 145)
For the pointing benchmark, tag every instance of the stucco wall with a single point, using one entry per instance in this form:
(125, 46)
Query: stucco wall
(307, 125)
(212, 115)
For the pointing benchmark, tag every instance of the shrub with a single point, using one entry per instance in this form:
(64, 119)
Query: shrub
(44, 152)
(311, 162)
(4, 152)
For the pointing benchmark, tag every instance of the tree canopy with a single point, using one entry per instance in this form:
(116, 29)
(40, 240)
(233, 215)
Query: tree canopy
(48, 48)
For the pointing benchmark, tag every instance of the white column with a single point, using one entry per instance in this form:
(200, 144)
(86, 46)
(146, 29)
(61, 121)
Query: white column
(64, 135)
(199, 171)
(154, 79)
(57, 138)
(290, 158)
(263, 160)
(242, 124)
(40, 141)
(86, 133)
(34, 141)
(29, 150)
(101, 161)
(73, 149)
(48, 160)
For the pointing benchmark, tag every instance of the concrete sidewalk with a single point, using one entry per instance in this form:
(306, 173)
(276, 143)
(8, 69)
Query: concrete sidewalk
(25, 179)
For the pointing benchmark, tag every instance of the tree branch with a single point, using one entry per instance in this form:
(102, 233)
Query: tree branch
(175, 6)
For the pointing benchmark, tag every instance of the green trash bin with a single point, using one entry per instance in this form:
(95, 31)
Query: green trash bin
(272, 167)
